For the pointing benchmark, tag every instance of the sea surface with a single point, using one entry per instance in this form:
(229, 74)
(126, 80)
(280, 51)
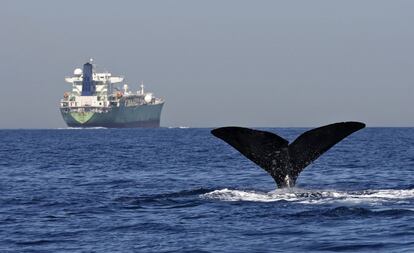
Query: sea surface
(183, 190)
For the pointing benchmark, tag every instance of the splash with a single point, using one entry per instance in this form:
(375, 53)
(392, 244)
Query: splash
(312, 196)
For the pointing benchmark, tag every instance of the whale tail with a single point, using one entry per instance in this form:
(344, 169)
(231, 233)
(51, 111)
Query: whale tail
(284, 161)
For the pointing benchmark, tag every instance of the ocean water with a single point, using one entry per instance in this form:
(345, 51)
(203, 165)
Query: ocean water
(183, 190)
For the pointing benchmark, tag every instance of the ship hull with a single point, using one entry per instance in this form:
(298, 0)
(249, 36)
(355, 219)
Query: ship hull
(147, 116)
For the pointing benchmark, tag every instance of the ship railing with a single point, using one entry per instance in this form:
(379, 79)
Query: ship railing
(87, 109)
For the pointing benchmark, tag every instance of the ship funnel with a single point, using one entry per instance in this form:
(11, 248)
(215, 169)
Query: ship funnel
(88, 85)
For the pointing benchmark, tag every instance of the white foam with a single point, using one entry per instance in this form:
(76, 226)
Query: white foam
(81, 128)
(179, 127)
(312, 196)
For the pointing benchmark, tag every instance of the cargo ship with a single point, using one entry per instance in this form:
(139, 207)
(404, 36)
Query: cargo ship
(100, 100)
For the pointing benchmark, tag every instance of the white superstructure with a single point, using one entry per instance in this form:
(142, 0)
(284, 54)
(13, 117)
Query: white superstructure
(106, 92)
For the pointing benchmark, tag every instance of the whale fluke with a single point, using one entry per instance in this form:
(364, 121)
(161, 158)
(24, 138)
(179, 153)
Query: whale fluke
(282, 161)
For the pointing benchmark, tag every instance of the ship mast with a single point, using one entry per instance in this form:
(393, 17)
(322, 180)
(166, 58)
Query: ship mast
(142, 88)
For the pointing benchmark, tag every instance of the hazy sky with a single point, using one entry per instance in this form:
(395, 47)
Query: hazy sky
(250, 63)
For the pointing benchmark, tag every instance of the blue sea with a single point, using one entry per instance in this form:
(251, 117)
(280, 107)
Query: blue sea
(183, 190)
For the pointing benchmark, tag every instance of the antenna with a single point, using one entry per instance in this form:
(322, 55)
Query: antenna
(91, 61)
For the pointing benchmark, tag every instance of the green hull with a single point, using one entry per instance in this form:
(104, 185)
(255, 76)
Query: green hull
(147, 115)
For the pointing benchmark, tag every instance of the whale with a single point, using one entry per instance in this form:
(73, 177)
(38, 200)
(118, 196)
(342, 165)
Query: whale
(284, 161)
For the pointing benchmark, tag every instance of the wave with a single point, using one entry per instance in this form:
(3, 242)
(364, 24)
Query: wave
(342, 211)
(80, 128)
(179, 199)
(179, 127)
(312, 196)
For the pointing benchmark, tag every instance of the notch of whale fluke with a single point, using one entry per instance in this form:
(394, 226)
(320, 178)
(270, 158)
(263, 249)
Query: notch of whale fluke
(284, 161)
